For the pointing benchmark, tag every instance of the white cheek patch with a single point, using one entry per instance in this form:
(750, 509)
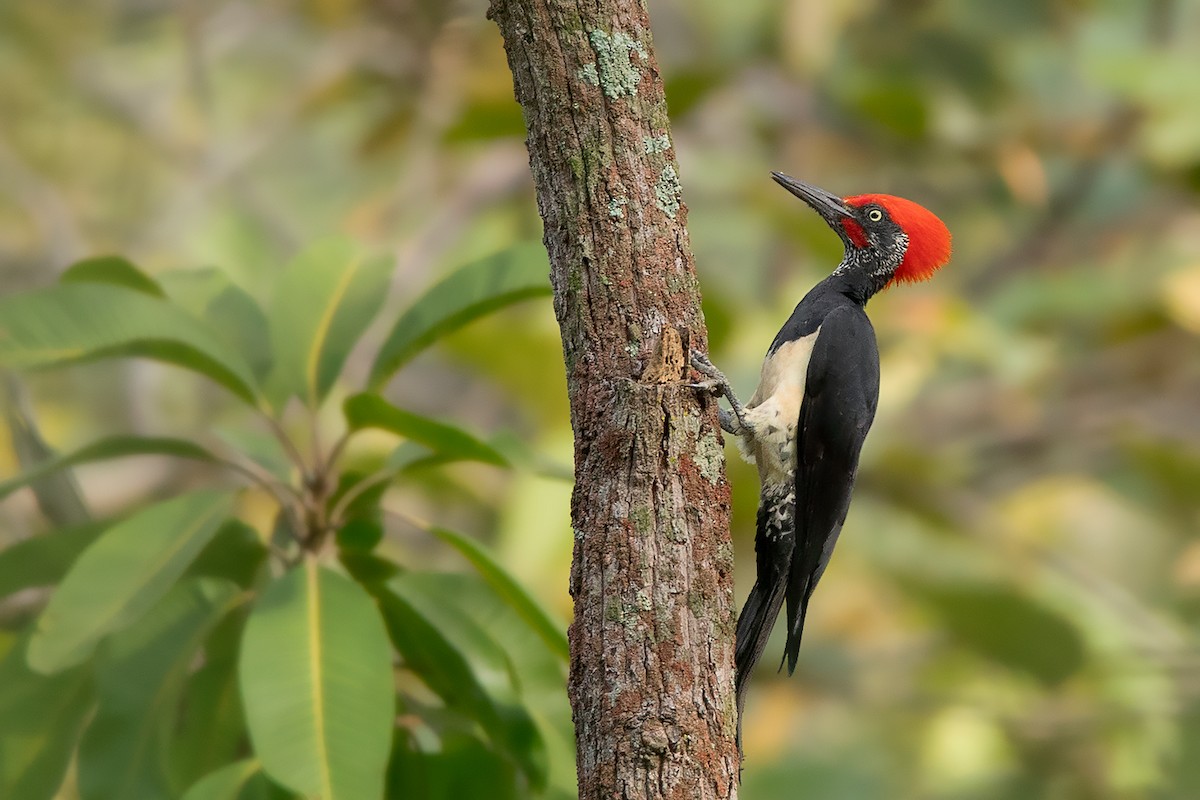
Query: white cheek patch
(774, 411)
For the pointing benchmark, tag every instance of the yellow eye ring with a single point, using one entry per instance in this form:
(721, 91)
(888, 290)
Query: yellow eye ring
(875, 215)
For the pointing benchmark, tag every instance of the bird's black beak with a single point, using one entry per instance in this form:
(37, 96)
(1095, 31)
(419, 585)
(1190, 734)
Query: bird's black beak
(829, 206)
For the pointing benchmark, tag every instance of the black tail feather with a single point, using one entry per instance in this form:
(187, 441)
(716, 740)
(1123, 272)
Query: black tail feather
(753, 630)
(796, 617)
(773, 546)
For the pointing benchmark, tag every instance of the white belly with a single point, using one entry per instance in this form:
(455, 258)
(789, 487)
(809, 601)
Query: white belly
(774, 411)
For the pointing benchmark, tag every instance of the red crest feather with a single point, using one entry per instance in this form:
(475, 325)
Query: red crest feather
(928, 236)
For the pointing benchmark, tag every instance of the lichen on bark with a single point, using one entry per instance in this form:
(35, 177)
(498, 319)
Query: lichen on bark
(619, 75)
(651, 681)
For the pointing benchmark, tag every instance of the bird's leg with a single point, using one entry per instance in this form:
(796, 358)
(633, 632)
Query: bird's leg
(732, 423)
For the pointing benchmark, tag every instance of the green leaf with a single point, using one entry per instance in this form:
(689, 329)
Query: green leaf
(227, 783)
(1007, 627)
(42, 560)
(139, 675)
(233, 314)
(75, 322)
(361, 533)
(476, 289)
(462, 766)
(372, 411)
(235, 553)
(368, 568)
(541, 671)
(316, 678)
(325, 300)
(111, 447)
(122, 575)
(410, 456)
(211, 729)
(243, 780)
(551, 632)
(40, 721)
(459, 660)
(113, 270)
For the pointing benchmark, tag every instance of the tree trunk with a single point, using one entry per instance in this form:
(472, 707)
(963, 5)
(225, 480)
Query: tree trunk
(651, 682)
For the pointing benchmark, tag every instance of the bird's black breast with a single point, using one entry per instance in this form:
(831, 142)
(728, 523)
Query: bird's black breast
(806, 318)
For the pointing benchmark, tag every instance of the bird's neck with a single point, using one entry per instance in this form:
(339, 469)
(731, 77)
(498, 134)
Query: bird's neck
(859, 276)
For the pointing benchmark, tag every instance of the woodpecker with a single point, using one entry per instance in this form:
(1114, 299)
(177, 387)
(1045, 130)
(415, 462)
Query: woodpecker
(806, 423)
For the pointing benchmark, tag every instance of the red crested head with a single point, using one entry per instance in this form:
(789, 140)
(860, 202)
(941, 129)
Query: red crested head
(888, 239)
(929, 241)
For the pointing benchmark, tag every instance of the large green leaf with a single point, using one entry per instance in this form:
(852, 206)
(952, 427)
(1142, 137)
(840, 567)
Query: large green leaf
(113, 270)
(243, 780)
(75, 322)
(453, 655)
(123, 574)
(230, 311)
(460, 661)
(1006, 627)
(42, 560)
(111, 447)
(211, 729)
(551, 632)
(316, 678)
(325, 300)
(476, 289)
(139, 675)
(40, 720)
(543, 679)
(450, 443)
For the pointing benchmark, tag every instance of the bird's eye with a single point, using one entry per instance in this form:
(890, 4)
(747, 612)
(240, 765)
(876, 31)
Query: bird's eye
(875, 215)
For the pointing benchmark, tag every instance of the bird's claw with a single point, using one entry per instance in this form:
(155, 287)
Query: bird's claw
(713, 387)
(716, 382)
(705, 367)
(718, 385)
(732, 423)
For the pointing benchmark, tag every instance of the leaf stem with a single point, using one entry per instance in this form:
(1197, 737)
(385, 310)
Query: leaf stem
(288, 445)
(336, 451)
(356, 491)
(285, 495)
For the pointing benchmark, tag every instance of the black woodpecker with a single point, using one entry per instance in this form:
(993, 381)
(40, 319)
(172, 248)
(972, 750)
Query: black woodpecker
(806, 423)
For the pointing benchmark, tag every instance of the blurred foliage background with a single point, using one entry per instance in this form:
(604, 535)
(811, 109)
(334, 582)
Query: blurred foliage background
(1012, 611)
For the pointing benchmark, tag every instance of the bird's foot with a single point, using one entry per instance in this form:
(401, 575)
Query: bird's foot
(717, 384)
(730, 423)
(701, 364)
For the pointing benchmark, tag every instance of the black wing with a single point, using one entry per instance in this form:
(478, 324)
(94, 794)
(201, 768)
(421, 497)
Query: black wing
(840, 395)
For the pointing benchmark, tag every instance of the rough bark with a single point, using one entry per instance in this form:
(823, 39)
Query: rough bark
(651, 681)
